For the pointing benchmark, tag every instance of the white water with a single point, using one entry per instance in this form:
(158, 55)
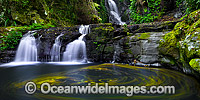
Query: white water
(114, 12)
(76, 50)
(113, 6)
(27, 50)
(55, 50)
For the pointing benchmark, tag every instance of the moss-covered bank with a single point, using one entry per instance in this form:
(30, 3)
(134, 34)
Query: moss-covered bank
(183, 42)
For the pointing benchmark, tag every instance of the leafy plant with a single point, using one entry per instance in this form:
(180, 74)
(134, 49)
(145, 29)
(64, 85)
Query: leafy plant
(102, 12)
(143, 11)
(97, 44)
(189, 5)
(10, 39)
(192, 5)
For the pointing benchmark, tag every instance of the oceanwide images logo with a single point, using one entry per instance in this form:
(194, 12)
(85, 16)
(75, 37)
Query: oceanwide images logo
(46, 88)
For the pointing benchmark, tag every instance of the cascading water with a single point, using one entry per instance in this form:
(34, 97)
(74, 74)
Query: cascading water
(114, 12)
(27, 50)
(76, 50)
(55, 50)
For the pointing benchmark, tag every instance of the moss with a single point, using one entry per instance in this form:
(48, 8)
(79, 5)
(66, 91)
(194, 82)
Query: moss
(183, 39)
(195, 25)
(107, 28)
(195, 64)
(144, 36)
(168, 24)
(169, 45)
(108, 24)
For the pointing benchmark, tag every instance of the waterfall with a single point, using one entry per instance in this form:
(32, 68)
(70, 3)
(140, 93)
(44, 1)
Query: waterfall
(76, 50)
(27, 49)
(55, 50)
(114, 13)
(113, 6)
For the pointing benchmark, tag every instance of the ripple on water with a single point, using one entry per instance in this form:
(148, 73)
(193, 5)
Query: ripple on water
(118, 74)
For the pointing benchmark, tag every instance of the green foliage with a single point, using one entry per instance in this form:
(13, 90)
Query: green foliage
(36, 26)
(143, 11)
(178, 3)
(10, 39)
(98, 45)
(5, 14)
(56, 12)
(102, 12)
(125, 28)
(190, 5)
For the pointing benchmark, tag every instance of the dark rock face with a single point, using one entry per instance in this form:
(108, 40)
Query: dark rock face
(48, 39)
(7, 56)
(99, 43)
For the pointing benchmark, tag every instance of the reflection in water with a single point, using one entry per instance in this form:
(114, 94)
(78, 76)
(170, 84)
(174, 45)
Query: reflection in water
(115, 74)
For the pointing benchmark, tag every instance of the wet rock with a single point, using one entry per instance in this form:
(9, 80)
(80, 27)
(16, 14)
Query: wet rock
(178, 14)
(145, 49)
(7, 56)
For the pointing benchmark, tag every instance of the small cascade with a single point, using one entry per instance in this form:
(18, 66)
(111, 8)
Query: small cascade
(55, 50)
(76, 50)
(114, 12)
(27, 49)
(114, 57)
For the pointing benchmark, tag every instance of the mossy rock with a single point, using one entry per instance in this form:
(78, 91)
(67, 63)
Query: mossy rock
(191, 45)
(169, 45)
(195, 64)
(183, 42)
(144, 36)
(141, 36)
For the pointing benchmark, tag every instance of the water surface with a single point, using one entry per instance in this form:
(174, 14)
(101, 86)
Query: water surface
(13, 80)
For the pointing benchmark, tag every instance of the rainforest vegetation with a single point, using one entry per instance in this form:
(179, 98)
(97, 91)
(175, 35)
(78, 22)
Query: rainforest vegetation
(19, 16)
